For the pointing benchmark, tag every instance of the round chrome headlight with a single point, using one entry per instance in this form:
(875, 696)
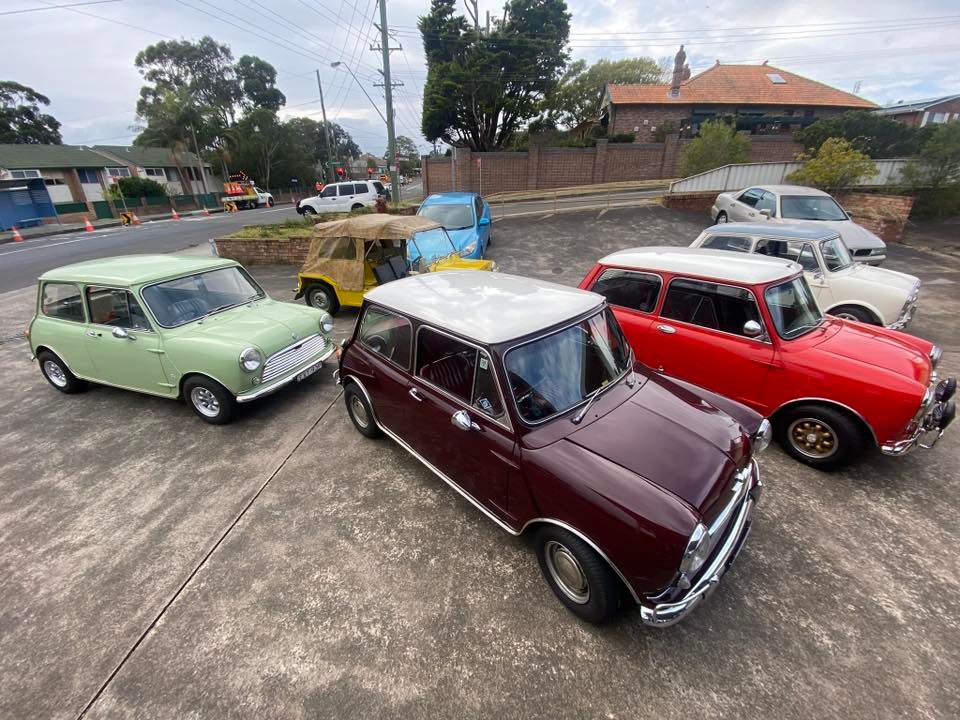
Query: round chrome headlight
(251, 359)
(326, 323)
(697, 552)
(761, 438)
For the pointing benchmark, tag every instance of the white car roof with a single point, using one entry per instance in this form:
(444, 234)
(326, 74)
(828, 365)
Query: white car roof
(791, 190)
(714, 264)
(488, 307)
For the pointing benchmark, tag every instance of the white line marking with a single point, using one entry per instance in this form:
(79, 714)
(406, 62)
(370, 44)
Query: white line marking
(41, 247)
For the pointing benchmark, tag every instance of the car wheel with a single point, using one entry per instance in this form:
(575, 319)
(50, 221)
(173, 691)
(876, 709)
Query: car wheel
(852, 312)
(307, 210)
(356, 206)
(578, 576)
(323, 298)
(58, 374)
(210, 400)
(721, 218)
(823, 437)
(360, 413)
(269, 202)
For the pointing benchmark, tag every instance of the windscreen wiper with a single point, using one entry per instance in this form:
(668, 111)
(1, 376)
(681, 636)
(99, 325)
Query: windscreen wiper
(579, 417)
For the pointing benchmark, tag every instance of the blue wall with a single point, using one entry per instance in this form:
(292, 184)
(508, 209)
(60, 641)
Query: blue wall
(24, 203)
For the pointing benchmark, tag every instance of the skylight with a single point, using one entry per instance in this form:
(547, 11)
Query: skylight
(776, 78)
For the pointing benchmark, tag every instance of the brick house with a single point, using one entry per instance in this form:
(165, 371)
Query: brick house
(179, 174)
(925, 112)
(765, 100)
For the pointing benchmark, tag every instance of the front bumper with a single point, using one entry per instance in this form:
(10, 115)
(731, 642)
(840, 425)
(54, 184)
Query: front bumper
(929, 429)
(289, 377)
(666, 614)
(906, 315)
(869, 256)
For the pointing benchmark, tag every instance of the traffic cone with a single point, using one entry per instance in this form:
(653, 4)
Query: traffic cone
(206, 212)
(175, 215)
(17, 237)
(136, 220)
(87, 225)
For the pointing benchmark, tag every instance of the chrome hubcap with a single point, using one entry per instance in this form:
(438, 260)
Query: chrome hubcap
(567, 573)
(205, 402)
(319, 300)
(359, 412)
(721, 219)
(847, 316)
(55, 373)
(813, 438)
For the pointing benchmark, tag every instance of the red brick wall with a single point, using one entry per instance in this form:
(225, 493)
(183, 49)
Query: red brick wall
(632, 162)
(884, 215)
(773, 148)
(264, 251)
(628, 117)
(690, 201)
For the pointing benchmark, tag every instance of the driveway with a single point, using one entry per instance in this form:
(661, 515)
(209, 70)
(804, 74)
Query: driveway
(285, 566)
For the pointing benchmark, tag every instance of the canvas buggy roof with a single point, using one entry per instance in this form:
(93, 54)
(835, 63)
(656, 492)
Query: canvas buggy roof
(376, 226)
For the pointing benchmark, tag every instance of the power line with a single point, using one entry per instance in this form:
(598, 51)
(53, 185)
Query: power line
(58, 7)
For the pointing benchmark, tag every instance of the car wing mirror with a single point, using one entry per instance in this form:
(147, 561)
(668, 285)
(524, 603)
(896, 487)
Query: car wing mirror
(484, 221)
(461, 419)
(766, 213)
(122, 334)
(752, 329)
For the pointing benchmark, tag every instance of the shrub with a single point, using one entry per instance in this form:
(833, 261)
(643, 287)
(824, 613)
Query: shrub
(875, 135)
(136, 187)
(938, 163)
(834, 166)
(718, 144)
(624, 137)
(667, 127)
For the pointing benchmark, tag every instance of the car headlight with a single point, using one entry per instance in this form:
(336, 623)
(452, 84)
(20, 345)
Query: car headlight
(469, 248)
(761, 438)
(326, 323)
(936, 352)
(697, 552)
(251, 359)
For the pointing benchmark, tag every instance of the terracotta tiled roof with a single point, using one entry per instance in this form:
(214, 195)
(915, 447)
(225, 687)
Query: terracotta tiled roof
(739, 85)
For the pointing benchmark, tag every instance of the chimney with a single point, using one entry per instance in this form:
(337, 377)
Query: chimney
(678, 64)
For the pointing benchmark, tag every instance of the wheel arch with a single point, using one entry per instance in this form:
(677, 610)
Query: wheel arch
(777, 414)
(196, 373)
(354, 380)
(878, 318)
(47, 347)
(324, 281)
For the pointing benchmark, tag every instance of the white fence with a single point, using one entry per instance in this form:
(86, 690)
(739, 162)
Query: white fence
(737, 177)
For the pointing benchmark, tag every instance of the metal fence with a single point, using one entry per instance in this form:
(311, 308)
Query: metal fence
(737, 177)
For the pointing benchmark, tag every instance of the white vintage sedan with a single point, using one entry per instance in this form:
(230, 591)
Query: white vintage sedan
(842, 287)
(799, 205)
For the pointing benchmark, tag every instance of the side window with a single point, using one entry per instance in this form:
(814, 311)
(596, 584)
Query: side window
(807, 258)
(329, 191)
(63, 301)
(486, 394)
(727, 242)
(387, 334)
(361, 188)
(718, 307)
(118, 308)
(750, 197)
(633, 290)
(446, 363)
(478, 207)
(379, 186)
(768, 202)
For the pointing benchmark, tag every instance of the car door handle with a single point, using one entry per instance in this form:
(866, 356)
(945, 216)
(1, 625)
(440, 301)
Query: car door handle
(415, 395)
(93, 333)
(666, 329)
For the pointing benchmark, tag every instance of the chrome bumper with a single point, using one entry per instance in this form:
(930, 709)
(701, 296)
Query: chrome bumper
(906, 314)
(261, 390)
(932, 425)
(665, 614)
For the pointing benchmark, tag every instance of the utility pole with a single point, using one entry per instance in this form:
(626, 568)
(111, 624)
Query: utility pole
(196, 149)
(326, 127)
(388, 95)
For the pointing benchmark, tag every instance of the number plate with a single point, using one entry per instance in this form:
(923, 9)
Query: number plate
(303, 374)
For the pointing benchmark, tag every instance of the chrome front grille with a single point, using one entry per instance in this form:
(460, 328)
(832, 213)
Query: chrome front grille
(282, 362)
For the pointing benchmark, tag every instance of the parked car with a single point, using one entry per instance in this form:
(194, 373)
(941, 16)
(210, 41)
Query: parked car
(466, 216)
(748, 327)
(842, 287)
(263, 197)
(524, 397)
(343, 197)
(196, 328)
(348, 258)
(799, 205)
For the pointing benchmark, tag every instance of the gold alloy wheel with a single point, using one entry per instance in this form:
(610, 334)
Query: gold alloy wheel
(813, 438)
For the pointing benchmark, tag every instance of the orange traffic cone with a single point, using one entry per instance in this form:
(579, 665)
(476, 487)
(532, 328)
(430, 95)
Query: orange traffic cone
(136, 220)
(17, 237)
(206, 212)
(175, 215)
(87, 225)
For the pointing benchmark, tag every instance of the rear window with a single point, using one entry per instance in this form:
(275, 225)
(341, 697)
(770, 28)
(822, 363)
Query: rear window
(378, 185)
(62, 301)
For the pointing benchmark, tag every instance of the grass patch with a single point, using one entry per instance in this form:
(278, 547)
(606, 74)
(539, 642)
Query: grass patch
(288, 228)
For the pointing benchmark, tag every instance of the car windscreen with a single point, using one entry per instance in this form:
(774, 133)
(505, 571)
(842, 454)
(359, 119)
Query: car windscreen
(185, 299)
(835, 254)
(810, 207)
(452, 217)
(554, 373)
(793, 308)
(430, 245)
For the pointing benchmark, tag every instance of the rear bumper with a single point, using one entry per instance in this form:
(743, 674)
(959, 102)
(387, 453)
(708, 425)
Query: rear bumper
(666, 614)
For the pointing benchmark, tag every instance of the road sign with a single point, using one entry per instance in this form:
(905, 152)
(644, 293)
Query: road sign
(294, 181)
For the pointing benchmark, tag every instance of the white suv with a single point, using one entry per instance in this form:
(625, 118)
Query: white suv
(343, 197)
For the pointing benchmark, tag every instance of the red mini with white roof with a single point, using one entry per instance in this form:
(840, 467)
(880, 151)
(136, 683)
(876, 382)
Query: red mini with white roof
(748, 327)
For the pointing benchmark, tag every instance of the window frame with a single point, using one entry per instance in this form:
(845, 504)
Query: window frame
(25, 174)
(764, 336)
(741, 196)
(410, 356)
(89, 312)
(632, 271)
(86, 173)
(118, 172)
(504, 420)
(152, 315)
(155, 172)
(80, 292)
(751, 242)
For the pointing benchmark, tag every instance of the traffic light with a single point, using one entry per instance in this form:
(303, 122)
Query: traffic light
(340, 173)
(369, 172)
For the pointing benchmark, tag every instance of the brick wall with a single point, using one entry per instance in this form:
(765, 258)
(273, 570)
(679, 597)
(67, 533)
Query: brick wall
(694, 201)
(773, 148)
(645, 119)
(883, 215)
(265, 251)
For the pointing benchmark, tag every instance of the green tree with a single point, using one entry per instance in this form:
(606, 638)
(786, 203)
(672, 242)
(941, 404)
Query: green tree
(877, 136)
(834, 166)
(135, 187)
(22, 119)
(482, 88)
(308, 138)
(576, 100)
(261, 141)
(718, 144)
(258, 80)
(409, 155)
(938, 163)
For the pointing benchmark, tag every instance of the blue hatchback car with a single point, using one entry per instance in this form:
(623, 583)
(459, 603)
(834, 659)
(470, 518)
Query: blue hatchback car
(466, 217)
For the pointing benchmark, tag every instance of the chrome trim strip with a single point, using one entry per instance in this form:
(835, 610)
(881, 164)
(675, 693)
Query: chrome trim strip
(828, 402)
(266, 390)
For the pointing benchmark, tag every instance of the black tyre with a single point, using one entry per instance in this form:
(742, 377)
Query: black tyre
(360, 413)
(356, 206)
(307, 210)
(823, 437)
(212, 402)
(721, 218)
(853, 312)
(270, 202)
(323, 298)
(58, 374)
(578, 576)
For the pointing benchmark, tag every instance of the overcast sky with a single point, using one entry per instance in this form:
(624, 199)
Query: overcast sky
(82, 58)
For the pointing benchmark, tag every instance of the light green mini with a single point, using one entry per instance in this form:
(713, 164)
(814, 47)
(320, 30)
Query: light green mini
(176, 326)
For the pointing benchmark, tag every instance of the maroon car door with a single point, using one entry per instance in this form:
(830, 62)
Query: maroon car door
(633, 296)
(386, 340)
(458, 421)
